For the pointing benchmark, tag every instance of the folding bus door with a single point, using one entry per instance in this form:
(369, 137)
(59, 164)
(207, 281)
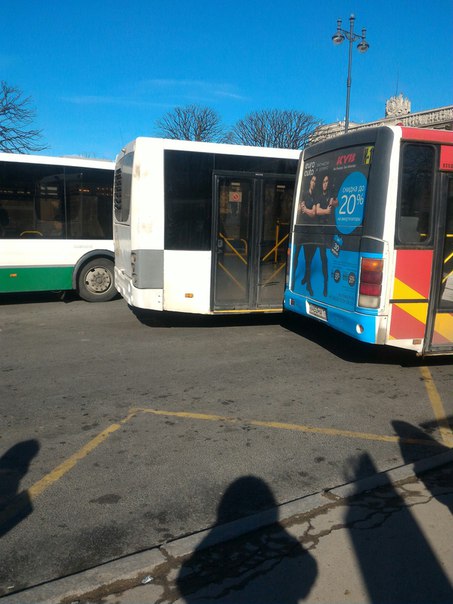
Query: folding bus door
(233, 244)
(251, 230)
(440, 320)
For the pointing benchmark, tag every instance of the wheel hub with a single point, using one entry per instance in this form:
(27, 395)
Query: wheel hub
(98, 280)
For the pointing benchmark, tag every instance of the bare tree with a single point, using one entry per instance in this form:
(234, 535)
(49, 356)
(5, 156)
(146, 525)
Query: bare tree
(191, 123)
(285, 129)
(16, 114)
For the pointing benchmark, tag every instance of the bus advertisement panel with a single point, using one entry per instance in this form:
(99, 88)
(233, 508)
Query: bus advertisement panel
(328, 226)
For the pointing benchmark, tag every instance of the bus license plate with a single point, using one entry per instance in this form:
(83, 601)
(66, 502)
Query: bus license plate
(317, 311)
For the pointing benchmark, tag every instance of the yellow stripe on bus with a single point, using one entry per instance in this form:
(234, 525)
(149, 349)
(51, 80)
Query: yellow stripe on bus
(418, 311)
(402, 291)
(444, 326)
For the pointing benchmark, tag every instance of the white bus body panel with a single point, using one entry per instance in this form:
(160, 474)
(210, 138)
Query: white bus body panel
(48, 252)
(187, 281)
(148, 299)
(187, 284)
(147, 208)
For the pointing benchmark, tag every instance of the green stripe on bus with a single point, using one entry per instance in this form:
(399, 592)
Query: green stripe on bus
(42, 278)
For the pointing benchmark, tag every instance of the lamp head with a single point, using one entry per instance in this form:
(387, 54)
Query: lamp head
(363, 45)
(338, 37)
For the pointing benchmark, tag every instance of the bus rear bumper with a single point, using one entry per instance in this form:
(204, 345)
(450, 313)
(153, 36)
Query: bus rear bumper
(149, 299)
(370, 328)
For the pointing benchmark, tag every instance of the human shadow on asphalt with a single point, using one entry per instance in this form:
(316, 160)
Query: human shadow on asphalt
(352, 350)
(396, 560)
(268, 566)
(15, 506)
(440, 482)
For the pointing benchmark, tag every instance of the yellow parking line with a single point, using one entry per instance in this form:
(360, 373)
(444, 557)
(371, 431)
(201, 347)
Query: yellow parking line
(445, 430)
(293, 427)
(69, 463)
(24, 500)
(41, 485)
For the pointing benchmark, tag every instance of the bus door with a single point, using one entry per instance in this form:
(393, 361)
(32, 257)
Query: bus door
(440, 315)
(251, 231)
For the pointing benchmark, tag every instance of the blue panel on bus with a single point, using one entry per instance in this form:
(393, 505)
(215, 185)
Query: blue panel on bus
(325, 250)
(322, 270)
(351, 203)
(360, 326)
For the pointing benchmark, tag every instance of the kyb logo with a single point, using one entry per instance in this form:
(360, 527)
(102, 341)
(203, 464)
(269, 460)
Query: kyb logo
(345, 159)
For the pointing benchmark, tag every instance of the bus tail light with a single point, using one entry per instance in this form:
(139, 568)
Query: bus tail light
(288, 260)
(370, 286)
(133, 267)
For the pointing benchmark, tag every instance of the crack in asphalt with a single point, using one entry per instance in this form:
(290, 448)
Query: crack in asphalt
(249, 558)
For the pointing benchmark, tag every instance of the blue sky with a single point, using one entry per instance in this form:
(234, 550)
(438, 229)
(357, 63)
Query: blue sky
(101, 72)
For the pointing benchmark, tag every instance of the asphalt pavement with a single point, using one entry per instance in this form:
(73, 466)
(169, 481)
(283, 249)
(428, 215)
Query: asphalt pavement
(383, 539)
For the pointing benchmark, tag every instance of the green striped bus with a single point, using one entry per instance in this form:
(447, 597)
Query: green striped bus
(56, 225)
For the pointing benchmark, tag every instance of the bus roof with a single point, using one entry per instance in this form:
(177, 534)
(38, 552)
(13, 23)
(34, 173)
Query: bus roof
(202, 147)
(78, 162)
(366, 135)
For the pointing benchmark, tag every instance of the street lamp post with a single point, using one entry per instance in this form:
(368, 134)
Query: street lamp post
(363, 46)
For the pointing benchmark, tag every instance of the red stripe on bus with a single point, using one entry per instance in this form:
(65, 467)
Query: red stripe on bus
(446, 158)
(413, 268)
(405, 326)
(420, 134)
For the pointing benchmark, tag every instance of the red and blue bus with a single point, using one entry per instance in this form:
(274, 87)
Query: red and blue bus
(371, 249)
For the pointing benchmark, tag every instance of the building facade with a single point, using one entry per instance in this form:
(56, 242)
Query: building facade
(397, 112)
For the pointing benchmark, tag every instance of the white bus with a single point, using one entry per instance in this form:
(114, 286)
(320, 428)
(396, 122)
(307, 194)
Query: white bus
(202, 227)
(56, 225)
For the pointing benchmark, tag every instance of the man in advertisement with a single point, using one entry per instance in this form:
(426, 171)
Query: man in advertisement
(325, 216)
(306, 215)
(329, 217)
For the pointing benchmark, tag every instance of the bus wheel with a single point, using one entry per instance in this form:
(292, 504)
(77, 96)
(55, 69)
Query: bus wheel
(96, 281)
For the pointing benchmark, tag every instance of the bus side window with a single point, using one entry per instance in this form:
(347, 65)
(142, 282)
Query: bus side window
(88, 204)
(16, 201)
(4, 221)
(415, 203)
(50, 206)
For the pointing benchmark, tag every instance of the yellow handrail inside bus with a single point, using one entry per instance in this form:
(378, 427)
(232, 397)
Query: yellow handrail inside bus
(278, 242)
(234, 250)
(231, 276)
(30, 233)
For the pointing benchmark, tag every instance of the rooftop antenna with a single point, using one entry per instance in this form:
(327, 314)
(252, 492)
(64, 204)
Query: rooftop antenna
(397, 81)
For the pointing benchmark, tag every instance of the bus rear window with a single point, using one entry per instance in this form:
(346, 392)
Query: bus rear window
(334, 189)
(414, 222)
(123, 188)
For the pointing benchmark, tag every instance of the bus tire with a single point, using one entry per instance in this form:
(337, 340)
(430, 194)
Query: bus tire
(96, 281)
